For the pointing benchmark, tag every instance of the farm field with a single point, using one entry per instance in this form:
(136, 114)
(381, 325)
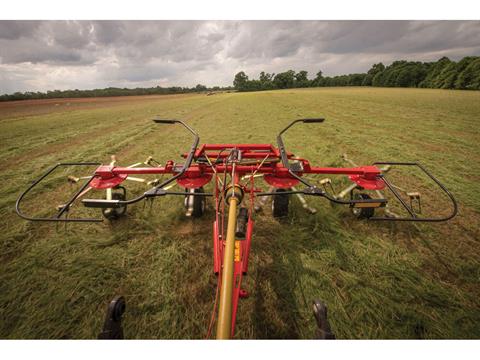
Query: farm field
(380, 280)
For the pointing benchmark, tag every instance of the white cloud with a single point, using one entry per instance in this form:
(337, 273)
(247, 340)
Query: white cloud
(47, 55)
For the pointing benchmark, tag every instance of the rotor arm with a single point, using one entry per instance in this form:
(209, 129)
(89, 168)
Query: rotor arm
(156, 190)
(370, 172)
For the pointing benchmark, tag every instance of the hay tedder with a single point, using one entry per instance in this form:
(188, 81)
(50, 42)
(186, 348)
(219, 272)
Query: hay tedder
(233, 170)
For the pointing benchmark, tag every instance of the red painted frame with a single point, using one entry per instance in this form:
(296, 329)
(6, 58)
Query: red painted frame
(210, 162)
(365, 176)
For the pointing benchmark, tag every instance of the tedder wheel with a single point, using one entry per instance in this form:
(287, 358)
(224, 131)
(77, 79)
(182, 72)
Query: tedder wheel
(280, 203)
(116, 213)
(195, 205)
(362, 213)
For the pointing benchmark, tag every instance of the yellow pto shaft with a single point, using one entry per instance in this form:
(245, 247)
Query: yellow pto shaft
(224, 323)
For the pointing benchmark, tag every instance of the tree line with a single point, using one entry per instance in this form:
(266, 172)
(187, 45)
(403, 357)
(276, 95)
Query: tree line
(441, 74)
(111, 91)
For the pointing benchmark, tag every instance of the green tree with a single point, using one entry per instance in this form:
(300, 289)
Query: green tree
(319, 79)
(284, 80)
(240, 81)
(374, 70)
(200, 87)
(266, 81)
(434, 71)
(301, 79)
(266, 77)
(466, 68)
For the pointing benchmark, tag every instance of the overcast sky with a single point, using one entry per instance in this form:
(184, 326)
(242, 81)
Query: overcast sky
(47, 55)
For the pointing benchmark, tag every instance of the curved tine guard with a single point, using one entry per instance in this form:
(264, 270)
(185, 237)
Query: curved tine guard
(283, 151)
(156, 190)
(312, 189)
(66, 207)
(413, 216)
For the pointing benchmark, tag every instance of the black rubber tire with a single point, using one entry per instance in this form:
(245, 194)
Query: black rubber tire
(280, 203)
(198, 203)
(115, 213)
(362, 213)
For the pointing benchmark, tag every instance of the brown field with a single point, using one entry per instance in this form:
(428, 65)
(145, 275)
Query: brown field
(19, 108)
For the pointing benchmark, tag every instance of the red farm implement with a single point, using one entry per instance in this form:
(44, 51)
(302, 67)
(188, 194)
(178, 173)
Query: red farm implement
(233, 171)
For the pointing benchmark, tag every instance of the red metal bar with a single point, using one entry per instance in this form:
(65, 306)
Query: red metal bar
(237, 146)
(138, 171)
(248, 243)
(363, 170)
(216, 250)
(245, 155)
(198, 170)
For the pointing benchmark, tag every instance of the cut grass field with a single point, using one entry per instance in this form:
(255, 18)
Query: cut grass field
(379, 280)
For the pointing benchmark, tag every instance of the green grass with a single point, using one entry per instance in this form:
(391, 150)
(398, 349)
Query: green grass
(380, 280)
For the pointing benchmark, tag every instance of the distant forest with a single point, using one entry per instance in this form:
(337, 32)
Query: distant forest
(111, 91)
(442, 74)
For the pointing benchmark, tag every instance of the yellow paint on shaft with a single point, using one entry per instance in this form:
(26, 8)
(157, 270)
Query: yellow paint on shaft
(224, 323)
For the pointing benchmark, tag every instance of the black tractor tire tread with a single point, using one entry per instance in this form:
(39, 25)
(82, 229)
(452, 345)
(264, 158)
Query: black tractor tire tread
(198, 203)
(280, 204)
(115, 213)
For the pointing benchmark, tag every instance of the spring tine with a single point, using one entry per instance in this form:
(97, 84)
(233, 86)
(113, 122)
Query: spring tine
(134, 165)
(345, 191)
(136, 179)
(263, 200)
(304, 202)
(84, 192)
(345, 158)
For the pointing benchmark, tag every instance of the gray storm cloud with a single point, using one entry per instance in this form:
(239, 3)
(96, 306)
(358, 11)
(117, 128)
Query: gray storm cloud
(46, 55)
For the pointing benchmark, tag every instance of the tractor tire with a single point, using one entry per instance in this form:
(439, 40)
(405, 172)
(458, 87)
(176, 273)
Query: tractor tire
(115, 213)
(280, 204)
(197, 203)
(362, 213)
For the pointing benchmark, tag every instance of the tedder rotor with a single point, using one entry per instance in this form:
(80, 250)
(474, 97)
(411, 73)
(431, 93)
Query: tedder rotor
(233, 170)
